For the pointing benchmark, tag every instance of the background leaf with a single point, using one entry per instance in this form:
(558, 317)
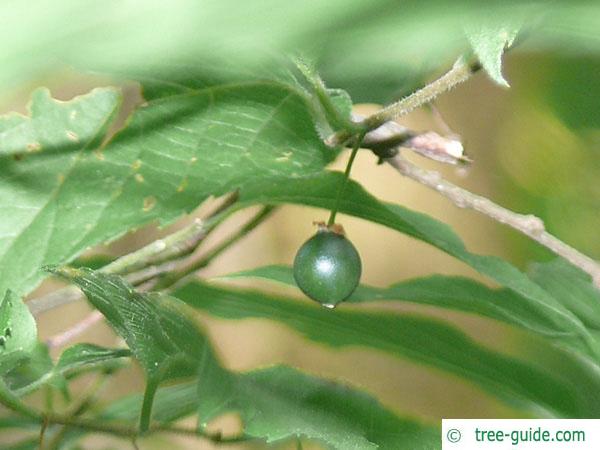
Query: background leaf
(573, 287)
(427, 341)
(319, 191)
(450, 292)
(348, 38)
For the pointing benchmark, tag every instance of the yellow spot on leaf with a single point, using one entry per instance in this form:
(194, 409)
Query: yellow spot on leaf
(72, 136)
(61, 178)
(73, 114)
(149, 203)
(182, 185)
(34, 147)
(139, 178)
(136, 164)
(193, 159)
(284, 157)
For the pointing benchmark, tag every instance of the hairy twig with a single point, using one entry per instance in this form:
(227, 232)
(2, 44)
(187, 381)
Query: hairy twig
(460, 72)
(527, 224)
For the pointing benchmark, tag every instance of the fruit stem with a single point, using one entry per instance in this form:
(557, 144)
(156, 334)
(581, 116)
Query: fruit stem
(336, 205)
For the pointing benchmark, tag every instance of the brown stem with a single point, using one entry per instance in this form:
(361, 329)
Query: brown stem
(527, 224)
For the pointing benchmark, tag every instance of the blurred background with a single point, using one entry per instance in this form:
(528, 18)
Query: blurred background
(534, 147)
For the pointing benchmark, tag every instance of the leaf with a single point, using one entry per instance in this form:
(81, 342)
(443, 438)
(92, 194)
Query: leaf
(332, 107)
(424, 340)
(24, 361)
(12, 402)
(39, 201)
(571, 88)
(87, 356)
(57, 126)
(175, 152)
(489, 40)
(74, 361)
(280, 402)
(450, 292)
(320, 191)
(34, 371)
(572, 287)
(165, 344)
(275, 403)
(18, 332)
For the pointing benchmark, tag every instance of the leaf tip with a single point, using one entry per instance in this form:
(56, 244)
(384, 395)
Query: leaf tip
(64, 271)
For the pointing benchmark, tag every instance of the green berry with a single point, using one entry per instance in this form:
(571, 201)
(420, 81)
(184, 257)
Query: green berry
(327, 268)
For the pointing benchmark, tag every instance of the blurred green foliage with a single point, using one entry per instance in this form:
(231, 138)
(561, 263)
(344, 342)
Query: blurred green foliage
(376, 51)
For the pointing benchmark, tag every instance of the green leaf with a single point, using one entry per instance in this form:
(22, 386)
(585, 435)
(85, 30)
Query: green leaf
(165, 344)
(34, 372)
(87, 356)
(280, 402)
(175, 152)
(572, 287)
(450, 292)
(74, 361)
(24, 361)
(56, 126)
(332, 107)
(489, 40)
(424, 340)
(320, 191)
(18, 332)
(14, 403)
(570, 87)
(44, 213)
(274, 403)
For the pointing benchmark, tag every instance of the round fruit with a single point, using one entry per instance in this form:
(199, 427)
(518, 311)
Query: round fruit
(327, 267)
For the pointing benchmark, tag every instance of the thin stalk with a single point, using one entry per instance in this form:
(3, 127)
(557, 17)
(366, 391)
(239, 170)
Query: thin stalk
(42, 434)
(342, 188)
